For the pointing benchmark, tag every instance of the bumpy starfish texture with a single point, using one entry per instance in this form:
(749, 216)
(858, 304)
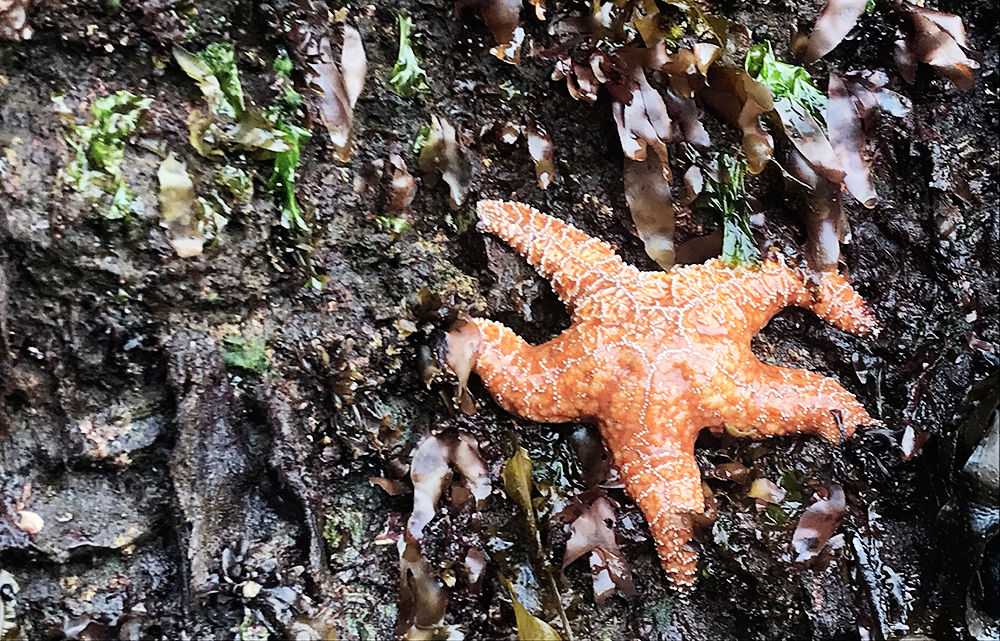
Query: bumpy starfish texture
(654, 357)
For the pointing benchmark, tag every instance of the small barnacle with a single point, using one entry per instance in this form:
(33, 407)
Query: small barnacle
(13, 20)
(8, 604)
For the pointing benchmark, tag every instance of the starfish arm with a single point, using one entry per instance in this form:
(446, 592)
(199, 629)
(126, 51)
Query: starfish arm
(576, 264)
(665, 483)
(842, 307)
(714, 304)
(533, 381)
(832, 298)
(779, 400)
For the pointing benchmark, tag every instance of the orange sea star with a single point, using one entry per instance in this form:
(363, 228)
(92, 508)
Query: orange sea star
(654, 357)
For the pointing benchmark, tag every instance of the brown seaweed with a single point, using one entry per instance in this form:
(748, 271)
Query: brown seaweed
(832, 26)
(934, 38)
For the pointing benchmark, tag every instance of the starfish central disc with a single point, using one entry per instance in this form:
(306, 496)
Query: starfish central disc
(655, 357)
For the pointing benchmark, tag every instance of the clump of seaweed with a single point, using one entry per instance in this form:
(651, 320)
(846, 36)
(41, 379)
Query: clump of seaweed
(99, 148)
(423, 596)
(503, 18)
(440, 151)
(923, 36)
(662, 65)
(191, 220)
(230, 124)
(934, 38)
(408, 77)
(539, 143)
(593, 533)
(722, 190)
(332, 87)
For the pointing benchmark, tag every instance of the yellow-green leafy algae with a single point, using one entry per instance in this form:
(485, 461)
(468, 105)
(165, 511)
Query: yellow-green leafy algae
(99, 148)
(784, 80)
(725, 193)
(214, 69)
(407, 75)
(237, 181)
(283, 177)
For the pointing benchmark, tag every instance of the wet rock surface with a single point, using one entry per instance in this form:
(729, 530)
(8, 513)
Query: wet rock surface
(212, 463)
(184, 496)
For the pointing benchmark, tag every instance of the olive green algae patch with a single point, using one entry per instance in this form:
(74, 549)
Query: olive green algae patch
(246, 353)
(190, 220)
